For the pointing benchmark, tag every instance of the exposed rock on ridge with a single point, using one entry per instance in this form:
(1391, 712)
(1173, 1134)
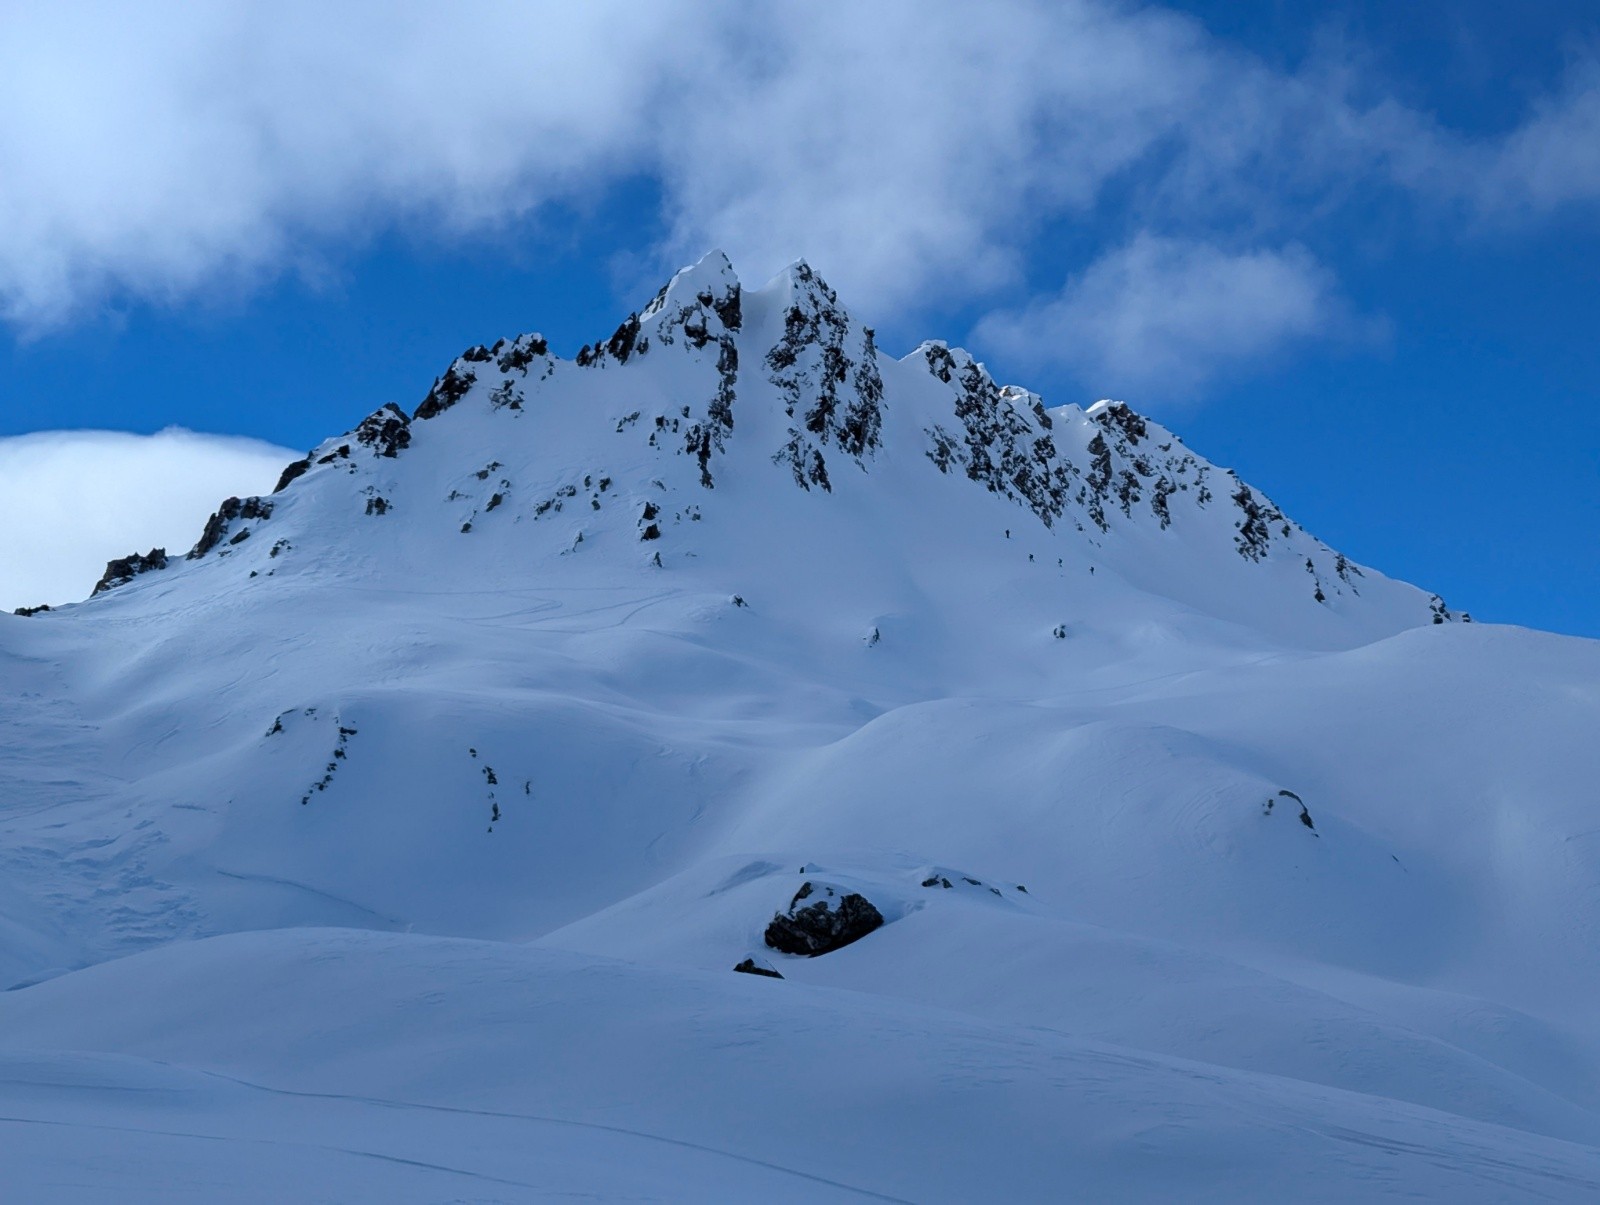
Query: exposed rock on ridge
(819, 403)
(826, 369)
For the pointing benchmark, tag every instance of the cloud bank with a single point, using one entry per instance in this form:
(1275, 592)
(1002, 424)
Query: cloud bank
(913, 151)
(72, 500)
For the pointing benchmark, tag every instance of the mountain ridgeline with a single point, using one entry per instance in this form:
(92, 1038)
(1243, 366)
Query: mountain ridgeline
(781, 391)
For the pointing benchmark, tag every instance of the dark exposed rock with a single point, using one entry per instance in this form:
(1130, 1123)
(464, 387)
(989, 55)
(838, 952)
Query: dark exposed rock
(831, 397)
(620, 346)
(340, 753)
(125, 569)
(831, 921)
(705, 438)
(1305, 812)
(1005, 442)
(387, 431)
(1164, 488)
(1254, 538)
(522, 351)
(1125, 419)
(377, 506)
(712, 313)
(751, 967)
(217, 526)
(697, 319)
(26, 611)
(505, 396)
(1098, 479)
(291, 471)
(729, 308)
(448, 390)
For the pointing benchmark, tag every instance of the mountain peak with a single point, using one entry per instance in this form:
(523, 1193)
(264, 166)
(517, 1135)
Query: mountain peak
(710, 282)
(714, 407)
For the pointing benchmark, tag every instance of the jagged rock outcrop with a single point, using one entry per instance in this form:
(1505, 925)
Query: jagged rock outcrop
(697, 307)
(218, 526)
(452, 386)
(832, 920)
(387, 431)
(678, 375)
(125, 569)
(292, 472)
(1005, 442)
(826, 369)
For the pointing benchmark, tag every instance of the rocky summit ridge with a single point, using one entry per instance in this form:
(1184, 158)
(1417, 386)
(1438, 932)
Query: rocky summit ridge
(782, 390)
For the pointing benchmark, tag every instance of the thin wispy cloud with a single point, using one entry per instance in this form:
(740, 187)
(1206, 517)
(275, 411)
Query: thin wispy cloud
(72, 500)
(1171, 314)
(912, 151)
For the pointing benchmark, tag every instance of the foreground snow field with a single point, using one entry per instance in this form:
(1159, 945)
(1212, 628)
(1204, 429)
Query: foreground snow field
(399, 843)
(334, 1064)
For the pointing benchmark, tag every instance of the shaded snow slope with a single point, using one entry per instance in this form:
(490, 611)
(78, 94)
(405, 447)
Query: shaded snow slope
(525, 1074)
(1192, 839)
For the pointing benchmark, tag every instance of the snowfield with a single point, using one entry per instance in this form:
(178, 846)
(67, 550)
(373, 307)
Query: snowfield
(398, 843)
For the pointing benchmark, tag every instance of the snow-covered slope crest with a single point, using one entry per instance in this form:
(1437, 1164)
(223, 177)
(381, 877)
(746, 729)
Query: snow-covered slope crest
(725, 405)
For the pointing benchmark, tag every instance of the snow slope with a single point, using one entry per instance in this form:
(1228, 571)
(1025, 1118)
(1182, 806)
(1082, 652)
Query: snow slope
(413, 822)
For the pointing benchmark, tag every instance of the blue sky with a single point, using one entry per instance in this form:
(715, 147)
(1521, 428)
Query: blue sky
(1354, 256)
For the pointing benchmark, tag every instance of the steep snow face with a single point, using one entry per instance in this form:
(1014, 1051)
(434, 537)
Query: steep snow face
(587, 668)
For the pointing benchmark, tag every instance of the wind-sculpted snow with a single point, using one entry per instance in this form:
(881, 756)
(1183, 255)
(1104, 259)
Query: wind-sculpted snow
(1201, 863)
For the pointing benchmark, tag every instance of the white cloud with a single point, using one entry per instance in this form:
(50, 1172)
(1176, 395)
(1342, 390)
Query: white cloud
(73, 500)
(1553, 159)
(159, 147)
(910, 149)
(1163, 315)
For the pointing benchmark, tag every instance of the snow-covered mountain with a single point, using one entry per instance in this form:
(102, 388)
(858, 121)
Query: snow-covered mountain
(413, 821)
